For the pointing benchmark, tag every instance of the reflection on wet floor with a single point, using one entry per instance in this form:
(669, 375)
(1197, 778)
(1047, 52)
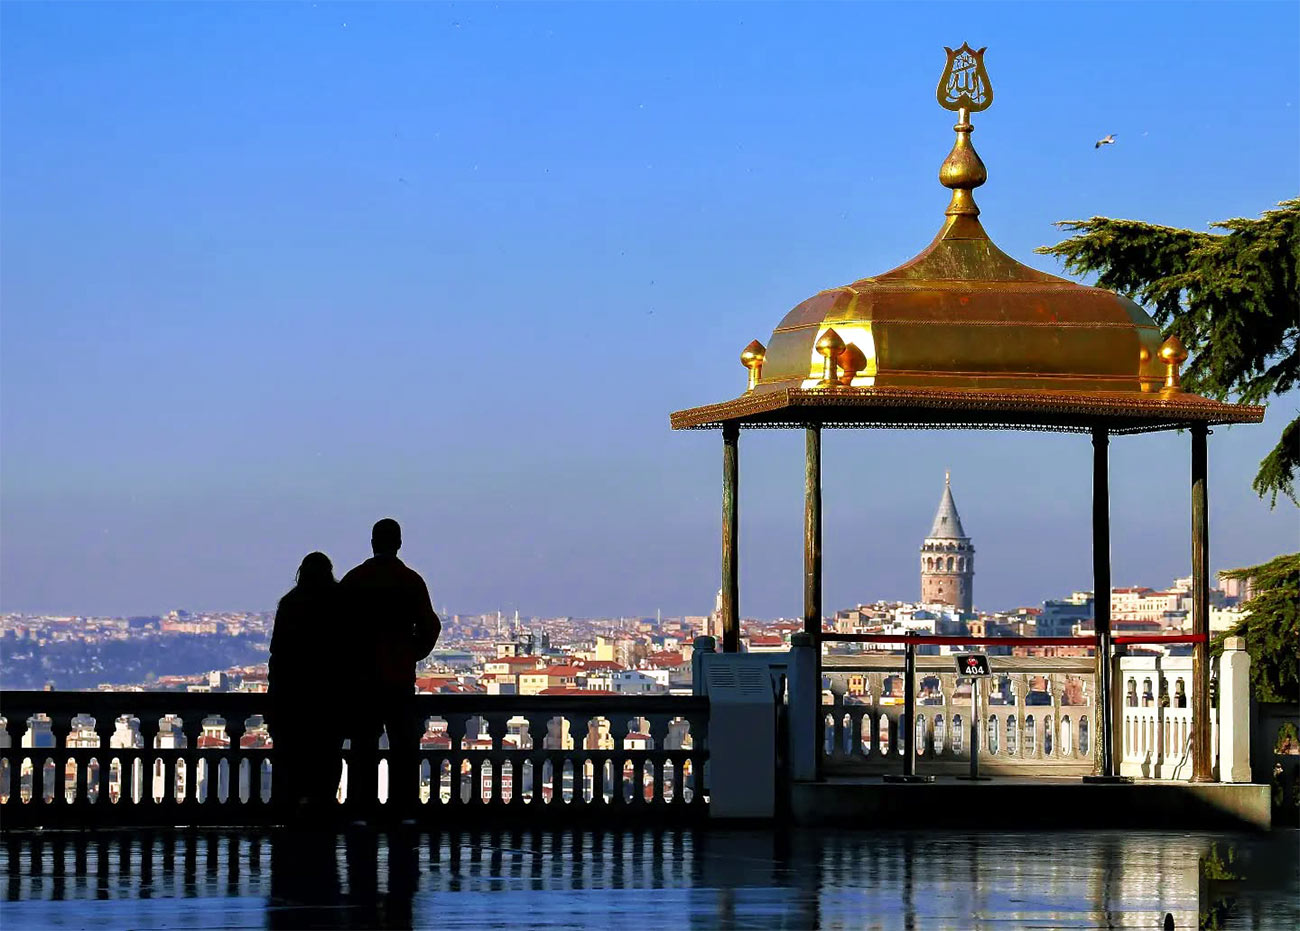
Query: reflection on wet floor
(671, 878)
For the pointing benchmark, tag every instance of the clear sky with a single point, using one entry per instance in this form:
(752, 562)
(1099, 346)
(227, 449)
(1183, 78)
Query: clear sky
(272, 271)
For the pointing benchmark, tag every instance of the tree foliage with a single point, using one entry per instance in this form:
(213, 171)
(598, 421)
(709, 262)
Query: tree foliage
(1271, 626)
(1233, 298)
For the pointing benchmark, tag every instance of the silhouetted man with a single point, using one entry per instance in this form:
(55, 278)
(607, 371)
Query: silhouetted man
(393, 626)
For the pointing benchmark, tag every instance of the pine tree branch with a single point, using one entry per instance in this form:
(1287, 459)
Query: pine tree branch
(1231, 297)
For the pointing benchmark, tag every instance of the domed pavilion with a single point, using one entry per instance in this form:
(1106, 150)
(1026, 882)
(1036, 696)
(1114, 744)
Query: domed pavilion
(963, 336)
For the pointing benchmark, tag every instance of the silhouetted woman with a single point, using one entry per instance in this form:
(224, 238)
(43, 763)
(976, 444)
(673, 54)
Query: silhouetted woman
(302, 671)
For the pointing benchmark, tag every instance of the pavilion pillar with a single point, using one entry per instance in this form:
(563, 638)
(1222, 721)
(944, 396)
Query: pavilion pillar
(730, 537)
(1104, 709)
(812, 532)
(812, 563)
(1202, 752)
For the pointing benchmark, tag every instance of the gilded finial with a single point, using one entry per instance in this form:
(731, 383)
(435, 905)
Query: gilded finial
(752, 357)
(852, 360)
(1173, 355)
(965, 84)
(830, 346)
(947, 476)
(965, 88)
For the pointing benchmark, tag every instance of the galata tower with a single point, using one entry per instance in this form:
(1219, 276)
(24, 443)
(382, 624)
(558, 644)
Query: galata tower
(947, 557)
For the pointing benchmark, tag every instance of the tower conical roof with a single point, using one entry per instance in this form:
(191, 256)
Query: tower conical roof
(947, 522)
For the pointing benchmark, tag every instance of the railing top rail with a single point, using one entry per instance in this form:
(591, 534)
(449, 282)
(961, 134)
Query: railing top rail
(961, 640)
(1169, 638)
(1088, 640)
(224, 703)
(929, 665)
(1155, 661)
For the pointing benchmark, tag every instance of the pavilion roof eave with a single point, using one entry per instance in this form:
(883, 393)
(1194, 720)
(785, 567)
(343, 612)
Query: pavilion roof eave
(940, 408)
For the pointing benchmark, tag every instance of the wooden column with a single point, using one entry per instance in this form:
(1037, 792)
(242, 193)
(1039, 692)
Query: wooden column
(730, 534)
(812, 533)
(1101, 597)
(812, 568)
(1202, 752)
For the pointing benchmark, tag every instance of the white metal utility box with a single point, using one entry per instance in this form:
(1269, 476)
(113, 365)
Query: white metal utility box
(742, 735)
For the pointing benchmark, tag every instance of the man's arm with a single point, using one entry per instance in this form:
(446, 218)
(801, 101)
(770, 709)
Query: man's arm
(278, 637)
(427, 624)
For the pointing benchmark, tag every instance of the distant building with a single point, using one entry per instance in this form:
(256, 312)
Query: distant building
(39, 733)
(1137, 603)
(1059, 617)
(1222, 619)
(636, 682)
(948, 558)
(765, 643)
(713, 625)
(1235, 590)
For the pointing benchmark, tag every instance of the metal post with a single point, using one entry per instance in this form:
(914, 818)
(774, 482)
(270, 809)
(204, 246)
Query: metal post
(812, 560)
(730, 534)
(1202, 753)
(909, 710)
(908, 725)
(974, 775)
(1105, 769)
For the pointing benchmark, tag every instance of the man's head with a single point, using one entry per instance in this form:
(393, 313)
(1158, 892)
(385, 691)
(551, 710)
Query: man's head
(386, 537)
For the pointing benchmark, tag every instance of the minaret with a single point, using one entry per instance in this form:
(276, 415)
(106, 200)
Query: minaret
(947, 557)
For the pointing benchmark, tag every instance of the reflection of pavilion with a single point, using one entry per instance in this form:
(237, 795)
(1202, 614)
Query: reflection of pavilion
(965, 337)
(664, 877)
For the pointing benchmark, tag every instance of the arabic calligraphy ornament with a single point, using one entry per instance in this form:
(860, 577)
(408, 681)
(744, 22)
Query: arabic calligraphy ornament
(965, 84)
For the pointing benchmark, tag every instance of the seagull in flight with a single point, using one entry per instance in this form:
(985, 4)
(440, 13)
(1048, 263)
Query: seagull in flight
(1108, 139)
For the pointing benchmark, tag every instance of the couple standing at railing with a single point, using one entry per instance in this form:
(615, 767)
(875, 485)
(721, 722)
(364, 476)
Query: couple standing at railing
(342, 666)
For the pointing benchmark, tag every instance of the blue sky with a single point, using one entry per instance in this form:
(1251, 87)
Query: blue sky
(272, 271)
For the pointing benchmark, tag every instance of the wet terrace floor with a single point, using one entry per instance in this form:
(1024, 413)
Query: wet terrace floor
(970, 877)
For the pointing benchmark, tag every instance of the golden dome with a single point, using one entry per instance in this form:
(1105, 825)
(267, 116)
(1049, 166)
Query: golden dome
(964, 314)
(963, 333)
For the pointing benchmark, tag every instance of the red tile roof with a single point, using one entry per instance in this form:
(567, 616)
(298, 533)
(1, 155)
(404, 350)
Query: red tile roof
(434, 683)
(673, 658)
(562, 671)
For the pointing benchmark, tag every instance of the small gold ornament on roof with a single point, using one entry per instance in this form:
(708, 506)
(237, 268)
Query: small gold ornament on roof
(751, 357)
(965, 84)
(1173, 355)
(852, 360)
(830, 346)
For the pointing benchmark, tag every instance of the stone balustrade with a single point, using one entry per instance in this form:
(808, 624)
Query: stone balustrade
(137, 758)
(72, 759)
(1036, 716)
(1154, 709)
(1155, 717)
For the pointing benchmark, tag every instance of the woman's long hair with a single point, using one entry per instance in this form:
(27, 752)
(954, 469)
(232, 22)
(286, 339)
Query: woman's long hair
(295, 614)
(316, 572)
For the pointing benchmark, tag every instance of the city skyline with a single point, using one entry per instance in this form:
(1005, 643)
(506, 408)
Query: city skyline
(318, 256)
